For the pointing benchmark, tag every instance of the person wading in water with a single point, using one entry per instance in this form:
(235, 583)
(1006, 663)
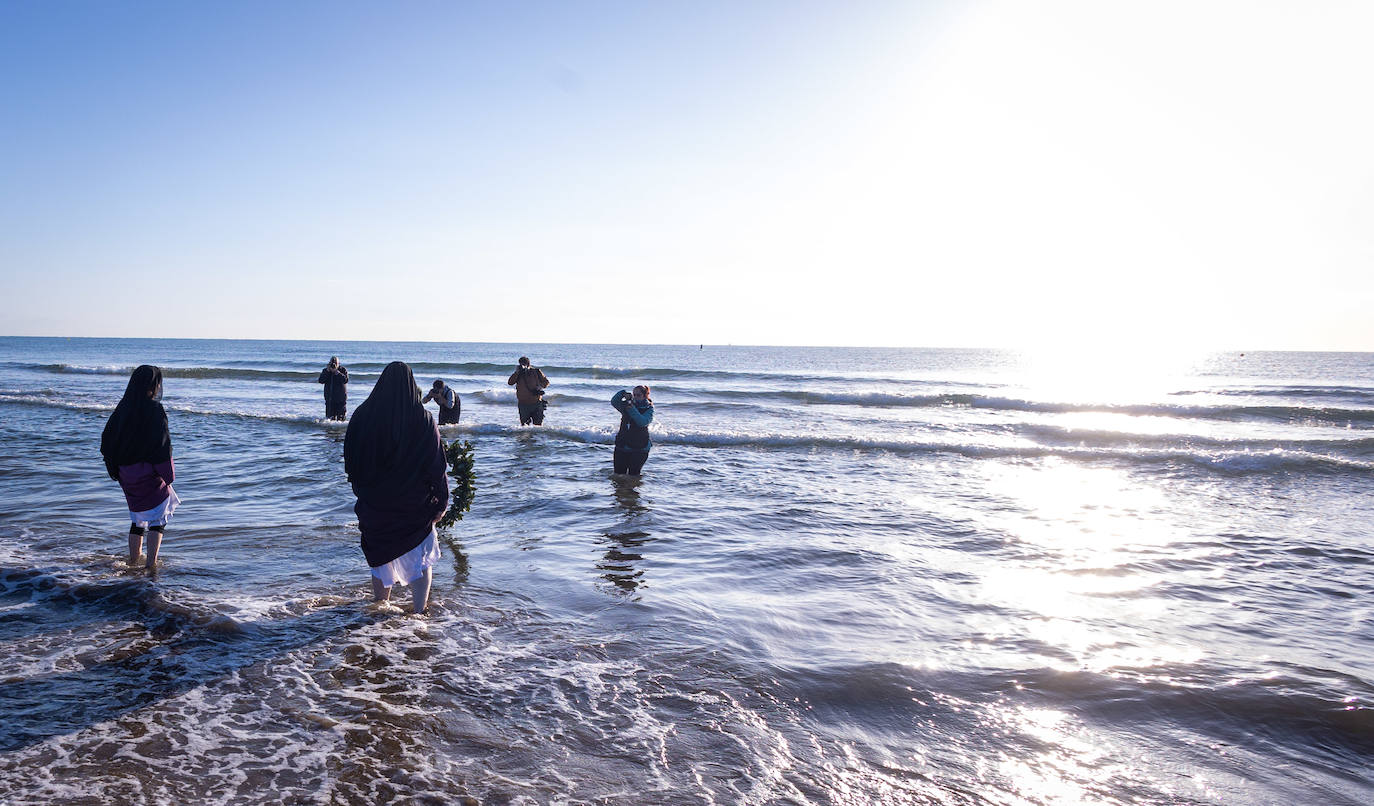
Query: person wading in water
(335, 380)
(632, 440)
(529, 383)
(137, 449)
(395, 461)
(450, 407)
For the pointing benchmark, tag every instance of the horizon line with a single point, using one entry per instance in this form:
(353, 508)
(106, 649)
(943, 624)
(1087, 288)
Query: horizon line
(1031, 349)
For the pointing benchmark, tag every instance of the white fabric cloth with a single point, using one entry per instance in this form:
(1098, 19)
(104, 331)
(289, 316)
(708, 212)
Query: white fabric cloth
(410, 566)
(158, 515)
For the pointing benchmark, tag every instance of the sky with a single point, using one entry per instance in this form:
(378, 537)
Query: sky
(1127, 175)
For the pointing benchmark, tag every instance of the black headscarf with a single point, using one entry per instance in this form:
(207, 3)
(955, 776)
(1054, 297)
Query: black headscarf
(388, 439)
(137, 429)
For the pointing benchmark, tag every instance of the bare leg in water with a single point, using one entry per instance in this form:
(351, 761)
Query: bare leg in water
(154, 543)
(135, 546)
(419, 590)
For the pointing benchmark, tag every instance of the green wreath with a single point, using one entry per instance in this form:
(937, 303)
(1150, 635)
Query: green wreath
(460, 461)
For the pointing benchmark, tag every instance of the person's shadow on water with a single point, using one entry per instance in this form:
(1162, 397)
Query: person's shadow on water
(626, 489)
(619, 563)
(460, 557)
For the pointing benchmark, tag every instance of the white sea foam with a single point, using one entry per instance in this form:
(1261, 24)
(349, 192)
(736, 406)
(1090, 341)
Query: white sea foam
(492, 395)
(33, 399)
(1231, 455)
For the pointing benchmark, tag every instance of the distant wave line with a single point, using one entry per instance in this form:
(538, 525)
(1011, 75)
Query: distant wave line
(439, 369)
(1328, 415)
(182, 372)
(734, 398)
(1104, 438)
(1297, 390)
(1244, 460)
(1253, 457)
(1339, 417)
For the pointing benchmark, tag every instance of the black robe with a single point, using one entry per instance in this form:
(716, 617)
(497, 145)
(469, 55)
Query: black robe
(335, 384)
(395, 461)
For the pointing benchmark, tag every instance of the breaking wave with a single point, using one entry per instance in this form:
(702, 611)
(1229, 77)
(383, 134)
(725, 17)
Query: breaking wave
(1254, 457)
(438, 368)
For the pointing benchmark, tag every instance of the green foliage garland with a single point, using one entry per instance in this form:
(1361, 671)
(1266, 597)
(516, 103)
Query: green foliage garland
(459, 455)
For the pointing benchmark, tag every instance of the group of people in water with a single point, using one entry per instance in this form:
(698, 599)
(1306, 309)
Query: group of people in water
(636, 409)
(393, 457)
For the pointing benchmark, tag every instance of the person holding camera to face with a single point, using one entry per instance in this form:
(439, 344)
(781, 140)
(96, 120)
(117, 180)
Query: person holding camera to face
(449, 405)
(334, 376)
(632, 440)
(529, 383)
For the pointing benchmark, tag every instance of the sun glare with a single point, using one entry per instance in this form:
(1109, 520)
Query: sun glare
(1106, 370)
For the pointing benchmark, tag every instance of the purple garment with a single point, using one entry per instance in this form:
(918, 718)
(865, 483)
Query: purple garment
(145, 484)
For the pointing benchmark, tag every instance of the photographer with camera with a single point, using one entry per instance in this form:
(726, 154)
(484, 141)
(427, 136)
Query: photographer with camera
(449, 405)
(632, 440)
(334, 376)
(529, 383)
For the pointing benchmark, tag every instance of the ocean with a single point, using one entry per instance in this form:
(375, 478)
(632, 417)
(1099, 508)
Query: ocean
(847, 576)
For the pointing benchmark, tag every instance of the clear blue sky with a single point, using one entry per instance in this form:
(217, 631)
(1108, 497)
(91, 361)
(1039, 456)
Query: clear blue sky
(906, 173)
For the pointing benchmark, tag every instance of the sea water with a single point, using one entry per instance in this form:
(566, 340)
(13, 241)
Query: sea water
(847, 576)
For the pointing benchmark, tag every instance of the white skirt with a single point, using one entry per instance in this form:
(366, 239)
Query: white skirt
(158, 515)
(410, 566)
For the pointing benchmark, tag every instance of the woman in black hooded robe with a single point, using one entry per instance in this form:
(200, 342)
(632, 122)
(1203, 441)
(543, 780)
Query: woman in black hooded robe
(137, 449)
(395, 462)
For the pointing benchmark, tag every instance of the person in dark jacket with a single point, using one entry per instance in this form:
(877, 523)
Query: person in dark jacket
(395, 462)
(529, 383)
(632, 440)
(335, 380)
(450, 407)
(137, 449)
